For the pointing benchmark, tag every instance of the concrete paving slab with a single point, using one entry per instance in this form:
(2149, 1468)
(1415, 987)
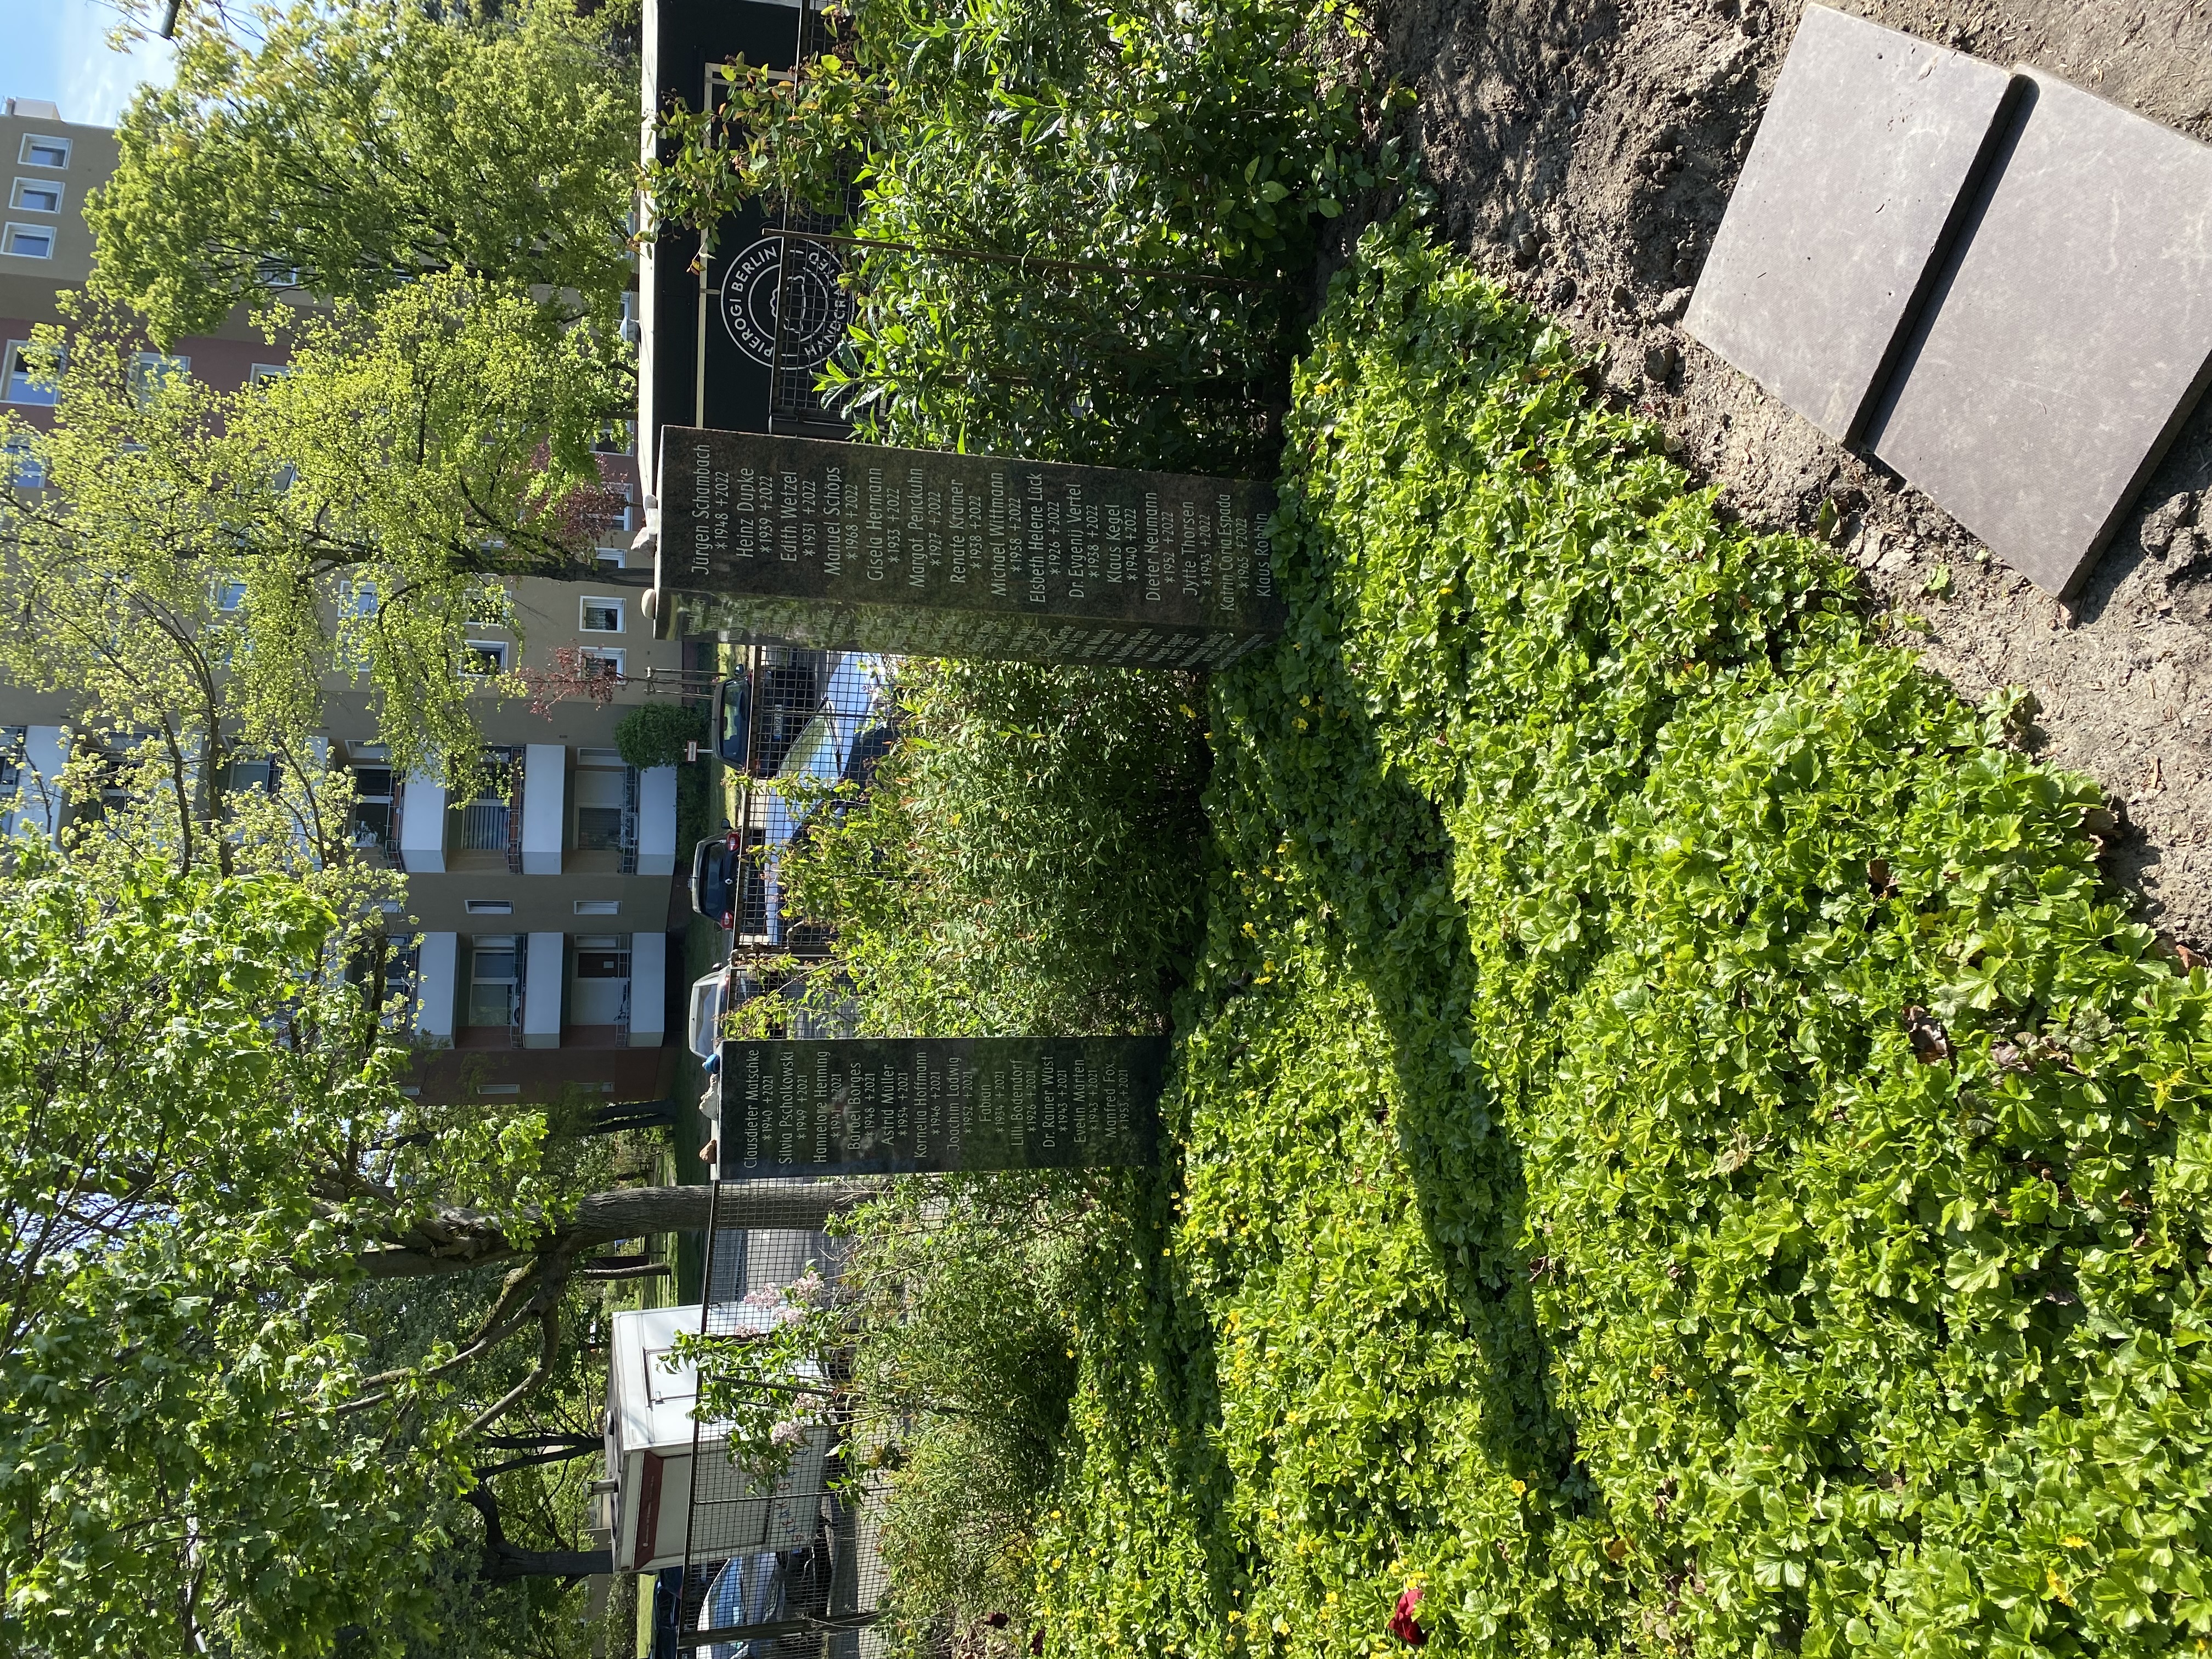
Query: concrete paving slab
(1869, 146)
(2069, 338)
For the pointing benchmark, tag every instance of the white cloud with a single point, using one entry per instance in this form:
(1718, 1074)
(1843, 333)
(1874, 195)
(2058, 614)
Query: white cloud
(96, 81)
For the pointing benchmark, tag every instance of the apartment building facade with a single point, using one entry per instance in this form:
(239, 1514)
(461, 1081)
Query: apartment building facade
(547, 909)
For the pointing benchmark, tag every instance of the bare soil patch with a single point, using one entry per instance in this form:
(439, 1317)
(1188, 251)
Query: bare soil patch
(1585, 154)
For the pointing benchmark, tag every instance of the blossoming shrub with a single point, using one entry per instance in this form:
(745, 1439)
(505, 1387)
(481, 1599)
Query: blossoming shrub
(1681, 1149)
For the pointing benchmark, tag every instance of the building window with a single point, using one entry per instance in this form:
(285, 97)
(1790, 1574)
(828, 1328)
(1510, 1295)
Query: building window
(600, 614)
(372, 807)
(150, 371)
(259, 776)
(494, 974)
(488, 906)
(356, 600)
(21, 467)
(482, 659)
(12, 739)
(601, 663)
(616, 438)
(37, 196)
(598, 907)
(32, 377)
(602, 956)
(613, 557)
(230, 598)
(605, 808)
(599, 993)
(41, 151)
(261, 372)
(499, 1088)
(28, 241)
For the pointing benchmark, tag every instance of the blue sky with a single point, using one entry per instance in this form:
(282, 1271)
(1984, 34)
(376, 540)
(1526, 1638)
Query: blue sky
(58, 49)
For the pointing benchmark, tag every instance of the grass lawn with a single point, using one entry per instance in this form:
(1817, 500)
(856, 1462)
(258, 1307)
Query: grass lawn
(1677, 1147)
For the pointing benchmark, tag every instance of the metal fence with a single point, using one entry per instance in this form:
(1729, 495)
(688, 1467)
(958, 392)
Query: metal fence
(782, 1571)
(805, 730)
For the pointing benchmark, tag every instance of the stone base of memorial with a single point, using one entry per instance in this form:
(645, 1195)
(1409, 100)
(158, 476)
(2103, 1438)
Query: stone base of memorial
(858, 547)
(898, 1105)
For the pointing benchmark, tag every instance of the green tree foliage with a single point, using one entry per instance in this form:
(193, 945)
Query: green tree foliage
(179, 1463)
(260, 1311)
(345, 151)
(655, 734)
(1027, 859)
(994, 148)
(1682, 1146)
(942, 1355)
(205, 569)
(1030, 856)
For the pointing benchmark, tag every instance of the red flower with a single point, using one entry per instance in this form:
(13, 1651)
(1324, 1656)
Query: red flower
(1403, 1626)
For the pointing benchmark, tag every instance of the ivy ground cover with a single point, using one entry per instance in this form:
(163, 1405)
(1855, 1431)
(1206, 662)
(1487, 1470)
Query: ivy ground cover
(1679, 1148)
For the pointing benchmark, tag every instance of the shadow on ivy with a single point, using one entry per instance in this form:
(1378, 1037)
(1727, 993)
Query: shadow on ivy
(1378, 854)
(1164, 1370)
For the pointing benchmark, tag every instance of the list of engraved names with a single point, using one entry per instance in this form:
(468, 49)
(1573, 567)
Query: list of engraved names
(865, 524)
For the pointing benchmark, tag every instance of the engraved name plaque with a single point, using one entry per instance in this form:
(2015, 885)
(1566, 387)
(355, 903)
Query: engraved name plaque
(857, 547)
(892, 1105)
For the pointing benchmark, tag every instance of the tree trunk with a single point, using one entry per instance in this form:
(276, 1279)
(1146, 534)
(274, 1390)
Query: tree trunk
(503, 1561)
(457, 1240)
(507, 1562)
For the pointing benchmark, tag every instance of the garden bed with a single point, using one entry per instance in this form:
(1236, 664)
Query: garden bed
(1681, 1148)
(1610, 137)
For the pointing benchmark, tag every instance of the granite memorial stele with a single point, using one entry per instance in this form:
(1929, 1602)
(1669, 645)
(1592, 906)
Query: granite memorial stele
(861, 547)
(900, 1105)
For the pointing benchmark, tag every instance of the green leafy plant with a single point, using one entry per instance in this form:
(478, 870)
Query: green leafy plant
(1081, 226)
(203, 563)
(345, 151)
(1028, 858)
(656, 733)
(1681, 1146)
(943, 1354)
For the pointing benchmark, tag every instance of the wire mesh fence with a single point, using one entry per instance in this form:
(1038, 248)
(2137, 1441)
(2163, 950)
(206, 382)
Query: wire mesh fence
(782, 1563)
(804, 730)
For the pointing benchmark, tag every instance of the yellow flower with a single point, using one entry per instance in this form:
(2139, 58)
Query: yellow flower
(2057, 1587)
(1519, 1487)
(2073, 1543)
(1281, 1629)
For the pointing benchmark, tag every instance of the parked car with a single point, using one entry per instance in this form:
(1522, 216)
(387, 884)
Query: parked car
(718, 877)
(713, 996)
(733, 719)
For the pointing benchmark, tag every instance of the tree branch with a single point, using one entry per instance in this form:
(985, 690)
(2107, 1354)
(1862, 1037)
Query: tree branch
(457, 1241)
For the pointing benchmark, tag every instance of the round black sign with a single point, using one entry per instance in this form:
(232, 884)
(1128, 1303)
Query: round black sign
(822, 307)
